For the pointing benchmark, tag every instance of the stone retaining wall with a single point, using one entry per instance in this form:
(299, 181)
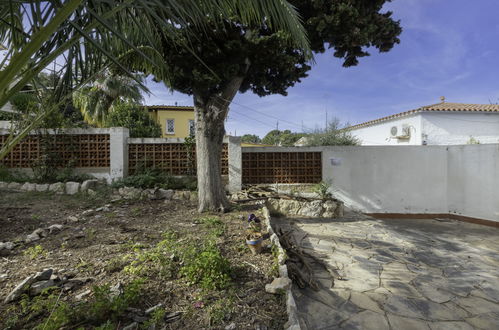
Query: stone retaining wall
(314, 208)
(293, 321)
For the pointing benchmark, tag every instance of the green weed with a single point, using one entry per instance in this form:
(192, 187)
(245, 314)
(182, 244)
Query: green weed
(35, 252)
(215, 224)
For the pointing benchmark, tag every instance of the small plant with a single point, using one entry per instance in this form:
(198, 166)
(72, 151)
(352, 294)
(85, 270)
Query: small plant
(472, 140)
(35, 217)
(220, 310)
(206, 266)
(106, 306)
(322, 189)
(35, 252)
(214, 223)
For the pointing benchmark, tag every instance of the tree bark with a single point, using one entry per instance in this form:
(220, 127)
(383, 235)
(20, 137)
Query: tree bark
(210, 113)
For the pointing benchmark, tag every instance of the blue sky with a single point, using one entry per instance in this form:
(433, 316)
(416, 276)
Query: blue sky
(448, 48)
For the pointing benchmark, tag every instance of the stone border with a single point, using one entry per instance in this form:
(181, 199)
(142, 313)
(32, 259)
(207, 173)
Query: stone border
(293, 320)
(61, 188)
(89, 186)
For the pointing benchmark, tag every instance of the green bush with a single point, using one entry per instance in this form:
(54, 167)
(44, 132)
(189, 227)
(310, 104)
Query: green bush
(8, 175)
(135, 118)
(155, 178)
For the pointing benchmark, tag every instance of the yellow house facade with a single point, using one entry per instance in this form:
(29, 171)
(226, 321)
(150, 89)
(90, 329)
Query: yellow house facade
(175, 121)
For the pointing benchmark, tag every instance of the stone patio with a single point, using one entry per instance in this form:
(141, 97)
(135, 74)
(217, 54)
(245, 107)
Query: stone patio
(399, 274)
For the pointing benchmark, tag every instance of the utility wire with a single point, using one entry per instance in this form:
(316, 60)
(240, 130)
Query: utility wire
(264, 114)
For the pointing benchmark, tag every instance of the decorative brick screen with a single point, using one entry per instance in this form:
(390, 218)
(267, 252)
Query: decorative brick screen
(281, 167)
(83, 150)
(172, 158)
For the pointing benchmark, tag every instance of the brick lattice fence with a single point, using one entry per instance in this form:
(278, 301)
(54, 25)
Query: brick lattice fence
(172, 158)
(281, 167)
(83, 150)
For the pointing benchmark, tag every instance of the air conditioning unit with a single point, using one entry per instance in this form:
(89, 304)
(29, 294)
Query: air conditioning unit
(401, 132)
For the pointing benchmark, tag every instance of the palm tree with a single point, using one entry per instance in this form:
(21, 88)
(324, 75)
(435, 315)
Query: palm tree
(98, 99)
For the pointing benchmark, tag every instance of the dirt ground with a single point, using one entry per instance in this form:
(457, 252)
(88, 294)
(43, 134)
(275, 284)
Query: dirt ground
(97, 247)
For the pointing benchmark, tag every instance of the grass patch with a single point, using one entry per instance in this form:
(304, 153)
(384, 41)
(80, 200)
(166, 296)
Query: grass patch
(199, 262)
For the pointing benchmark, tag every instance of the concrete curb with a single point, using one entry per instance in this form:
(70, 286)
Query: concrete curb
(293, 320)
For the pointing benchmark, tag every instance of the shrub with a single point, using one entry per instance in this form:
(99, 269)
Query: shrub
(155, 178)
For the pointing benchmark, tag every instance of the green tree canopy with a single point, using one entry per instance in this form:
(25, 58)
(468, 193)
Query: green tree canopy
(250, 138)
(253, 57)
(284, 138)
(135, 118)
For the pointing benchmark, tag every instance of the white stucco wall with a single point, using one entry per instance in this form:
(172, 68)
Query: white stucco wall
(461, 179)
(387, 179)
(435, 128)
(379, 134)
(473, 180)
(444, 128)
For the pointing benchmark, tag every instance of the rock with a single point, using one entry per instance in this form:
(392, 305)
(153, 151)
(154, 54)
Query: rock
(55, 228)
(31, 238)
(19, 289)
(130, 192)
(329, 209)
(87, 212)
(153, 308)
(43, 275)
(41, 232)
(231, 326)
(3, 276)
(14, 186)
(311, 209)
(181, 195)
(340, 210)
(38, 287)
(278, 284)
(58, 188)
(148, 194)
(89, 184)
(6, 246)
(72, 218)
(91, 192)
(3, 185)
(83, 294)
(116, 290)
(102, 209)
(42, 187)
(28, 187)
(164, 194)
(72, 188)
(131, 326)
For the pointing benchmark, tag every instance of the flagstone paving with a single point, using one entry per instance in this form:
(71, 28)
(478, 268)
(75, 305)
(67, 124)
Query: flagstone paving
(399, 274)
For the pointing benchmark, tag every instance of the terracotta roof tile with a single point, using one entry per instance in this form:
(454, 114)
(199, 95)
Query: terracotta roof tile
(444, 106)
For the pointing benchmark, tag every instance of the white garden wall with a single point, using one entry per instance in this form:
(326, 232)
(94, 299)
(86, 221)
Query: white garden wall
(461, 180)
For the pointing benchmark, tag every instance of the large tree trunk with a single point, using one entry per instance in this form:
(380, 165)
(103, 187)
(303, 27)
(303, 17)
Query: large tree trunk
(210, 113)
